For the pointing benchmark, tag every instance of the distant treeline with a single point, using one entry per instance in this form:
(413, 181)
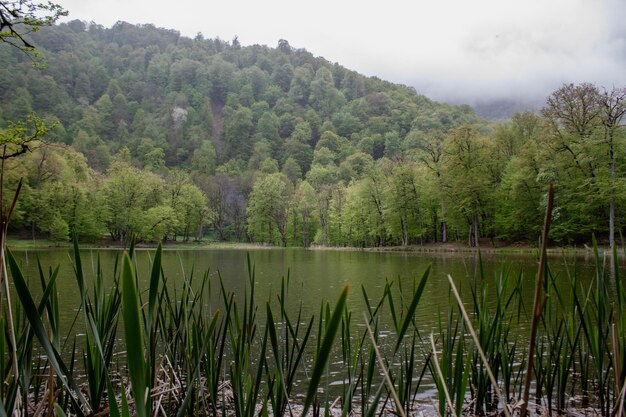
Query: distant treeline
(163, 136)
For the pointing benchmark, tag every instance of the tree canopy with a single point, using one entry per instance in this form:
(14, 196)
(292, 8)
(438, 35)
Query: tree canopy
(200, 132)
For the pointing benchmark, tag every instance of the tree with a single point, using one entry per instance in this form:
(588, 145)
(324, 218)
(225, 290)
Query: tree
(130, 193)
(23, 136)
(268, 129)
(324, 97)
(355, 216)
(404, 213)
(19, 18)
(471, 182)
(156, 223)
(238, 129)
(574, 117)
(268, 209)
(227, 206)
(613, 109)
(282, 76)
(431, 155)
(301, 84)
(203, 158)
(17, 139)
(292, 170)
(59, 230)
(519, 211)
(60, 184)
(303, 214)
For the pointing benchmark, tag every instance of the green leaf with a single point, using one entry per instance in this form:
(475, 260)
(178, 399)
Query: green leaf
(32, 313)
(59, 411)
(113, 409)
(323, 353)
(154, 285)
(134, 338)
(411, 311)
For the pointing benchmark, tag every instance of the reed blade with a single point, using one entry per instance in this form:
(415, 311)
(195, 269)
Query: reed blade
(134, 339)
(323, 353)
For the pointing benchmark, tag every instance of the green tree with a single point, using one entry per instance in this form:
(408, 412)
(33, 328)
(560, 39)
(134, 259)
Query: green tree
(59, 230)
(431, 155)
(268, 209)
(262, 151)
(222, 76)
(268, 129)
(156, 223)
(129, 194)
(292, 170)
(282, 76)
(19, 18)
(300, 88)
(227, 206)
(572, 126)
(613, 109)
(238, 128)
(324, 97)
(303, 221)
(203, 159)
(355, 216)
(405, 215)
(467, 171)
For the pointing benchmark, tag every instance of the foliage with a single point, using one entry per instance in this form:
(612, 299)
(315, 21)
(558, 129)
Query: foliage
(20, 18)
(412, 170)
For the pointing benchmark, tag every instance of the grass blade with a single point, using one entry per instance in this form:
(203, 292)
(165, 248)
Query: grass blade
(412, 307)
(470, 327)
(134, 339)
(324, 351)
(32, 313)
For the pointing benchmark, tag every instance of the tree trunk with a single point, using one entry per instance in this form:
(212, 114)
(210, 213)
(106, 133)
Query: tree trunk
(295, 227)
(612, 213)
(403, 228)
(473, 230)
(200, 232)
(444, 224)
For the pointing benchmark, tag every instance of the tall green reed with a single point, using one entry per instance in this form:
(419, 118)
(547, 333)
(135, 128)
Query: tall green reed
(183, 358)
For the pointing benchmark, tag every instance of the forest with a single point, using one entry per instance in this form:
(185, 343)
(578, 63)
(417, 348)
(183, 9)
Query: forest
(137, 134)
(159, 136)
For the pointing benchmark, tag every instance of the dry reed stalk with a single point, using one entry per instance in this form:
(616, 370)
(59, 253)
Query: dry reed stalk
(619, 402)
(616, 357)
(537, 306)
(470, 327)
(381, 363)
(440, 374)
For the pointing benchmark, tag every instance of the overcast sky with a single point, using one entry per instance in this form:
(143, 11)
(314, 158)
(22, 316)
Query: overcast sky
(452, 50)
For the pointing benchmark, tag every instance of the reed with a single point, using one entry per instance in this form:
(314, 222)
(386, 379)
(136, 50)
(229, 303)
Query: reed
(451, 373)
(198, 349)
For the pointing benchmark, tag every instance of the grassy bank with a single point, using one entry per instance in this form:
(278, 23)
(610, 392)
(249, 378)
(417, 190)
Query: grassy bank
(23, 244)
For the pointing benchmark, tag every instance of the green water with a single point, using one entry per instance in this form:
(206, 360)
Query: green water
(315, 275)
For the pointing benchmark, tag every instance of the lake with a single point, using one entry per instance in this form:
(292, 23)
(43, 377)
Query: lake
(315, 275)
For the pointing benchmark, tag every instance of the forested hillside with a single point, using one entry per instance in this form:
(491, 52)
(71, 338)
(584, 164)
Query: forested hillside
(175, 138)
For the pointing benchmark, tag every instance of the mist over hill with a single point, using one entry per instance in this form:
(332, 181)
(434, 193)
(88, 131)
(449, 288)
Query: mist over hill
(500, 110)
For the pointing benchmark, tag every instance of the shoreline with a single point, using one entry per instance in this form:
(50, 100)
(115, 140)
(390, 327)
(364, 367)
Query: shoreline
(433, 248)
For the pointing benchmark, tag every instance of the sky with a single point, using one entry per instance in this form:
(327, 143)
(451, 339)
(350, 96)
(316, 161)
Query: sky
(450, 50)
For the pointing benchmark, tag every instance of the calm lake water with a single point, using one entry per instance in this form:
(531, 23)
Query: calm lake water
(315, 275)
